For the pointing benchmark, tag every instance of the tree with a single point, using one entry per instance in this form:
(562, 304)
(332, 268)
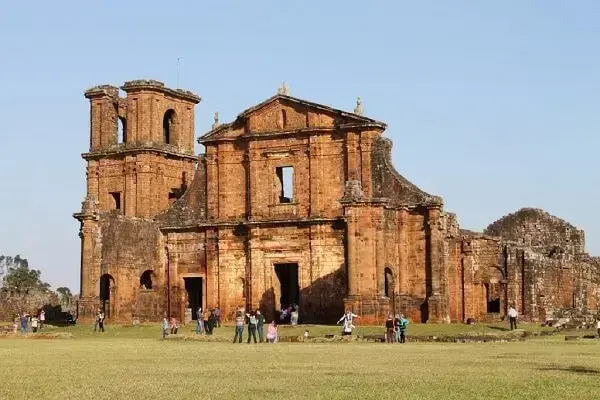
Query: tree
(66, 297)
(22, 289)
(18, 277)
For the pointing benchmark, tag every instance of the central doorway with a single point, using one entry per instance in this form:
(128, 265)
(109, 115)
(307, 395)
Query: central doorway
(193, 287)
(289, 285)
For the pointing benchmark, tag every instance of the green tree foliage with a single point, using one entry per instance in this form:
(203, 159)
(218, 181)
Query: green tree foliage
(19, 278)
(22, 288)
(66, 297)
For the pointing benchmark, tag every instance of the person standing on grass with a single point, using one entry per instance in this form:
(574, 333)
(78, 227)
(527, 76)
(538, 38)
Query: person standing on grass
(402, 327)
(101, 321)
(34, 324)
(512, 316)
(173, 325)
(598, 326)
(42, 319)
(239, 327)
(272, 332)
(252, 322)
(97, 321)
(23, 319)
(389, 329)
(397, 327)
(165, 327)
(218, 317)
(347, 319)
(260, 323)
(200, 321)
(211, 322)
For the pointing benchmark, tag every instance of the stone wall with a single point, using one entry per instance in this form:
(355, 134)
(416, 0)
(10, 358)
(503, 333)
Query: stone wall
(363, 237)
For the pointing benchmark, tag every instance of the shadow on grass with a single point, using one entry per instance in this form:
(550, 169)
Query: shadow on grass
(574, 369)
(498, 328)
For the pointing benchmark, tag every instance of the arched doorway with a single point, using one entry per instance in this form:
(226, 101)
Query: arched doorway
(107, 295)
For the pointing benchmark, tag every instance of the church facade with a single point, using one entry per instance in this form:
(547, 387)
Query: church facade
(295, 202)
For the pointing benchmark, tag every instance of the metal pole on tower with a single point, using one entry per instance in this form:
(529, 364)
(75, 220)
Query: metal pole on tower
(177, 72)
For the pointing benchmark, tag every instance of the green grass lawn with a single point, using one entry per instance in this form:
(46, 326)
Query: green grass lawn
(133, 363)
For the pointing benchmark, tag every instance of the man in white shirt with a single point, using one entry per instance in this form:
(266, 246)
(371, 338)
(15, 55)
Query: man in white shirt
(512, 316)
(348, 326)
(598, 326)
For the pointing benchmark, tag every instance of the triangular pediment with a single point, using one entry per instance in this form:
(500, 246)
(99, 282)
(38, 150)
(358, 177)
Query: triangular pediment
(283, 113)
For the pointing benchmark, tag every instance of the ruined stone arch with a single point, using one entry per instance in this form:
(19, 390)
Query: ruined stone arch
(121, 130)
(241, 284)
(388, 282)
(146, 280)
(169, 123)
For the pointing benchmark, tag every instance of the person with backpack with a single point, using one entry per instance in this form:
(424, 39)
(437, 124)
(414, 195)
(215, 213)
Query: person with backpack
(347, 319)
(252, 323)
(402, 327)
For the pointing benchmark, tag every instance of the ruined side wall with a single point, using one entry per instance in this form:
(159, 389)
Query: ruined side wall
(480, 263)
(125, 248)
(540, 231)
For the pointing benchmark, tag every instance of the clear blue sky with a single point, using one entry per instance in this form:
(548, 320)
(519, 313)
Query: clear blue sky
(491, 105)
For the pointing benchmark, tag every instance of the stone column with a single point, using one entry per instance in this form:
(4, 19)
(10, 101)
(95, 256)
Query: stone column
(436, 301)
(212, 270)
(379, 255)
(351, 251)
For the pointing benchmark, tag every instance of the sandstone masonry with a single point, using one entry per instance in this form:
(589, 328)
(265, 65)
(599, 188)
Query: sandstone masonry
(295, 203)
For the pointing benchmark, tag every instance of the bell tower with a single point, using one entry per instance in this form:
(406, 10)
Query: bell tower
(141, 155)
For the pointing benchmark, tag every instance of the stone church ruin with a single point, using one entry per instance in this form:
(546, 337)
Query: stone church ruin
(295, 202)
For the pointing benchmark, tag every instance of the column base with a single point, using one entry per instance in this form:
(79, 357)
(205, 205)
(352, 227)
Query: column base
(87, 307)
(371, 309)
(436, 310)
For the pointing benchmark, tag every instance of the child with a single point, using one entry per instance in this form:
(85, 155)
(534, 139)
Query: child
(306, 334)
(165, 327)
(174, 326)
(34, 324)
(272, 333)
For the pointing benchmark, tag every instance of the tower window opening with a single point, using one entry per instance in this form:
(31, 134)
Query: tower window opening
(121, 130)
(168, 123)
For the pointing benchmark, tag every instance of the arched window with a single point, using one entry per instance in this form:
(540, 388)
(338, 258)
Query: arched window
(168, 126)
(146, 280)
(388, 284)
(284, 118)
(242, 287)
(121, 130)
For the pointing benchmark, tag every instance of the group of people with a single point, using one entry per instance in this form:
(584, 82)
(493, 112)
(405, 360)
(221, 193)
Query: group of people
(289, 314)
(256, 322)
(204, 324)
(99, 322)
(27, 322)
(395, 328)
